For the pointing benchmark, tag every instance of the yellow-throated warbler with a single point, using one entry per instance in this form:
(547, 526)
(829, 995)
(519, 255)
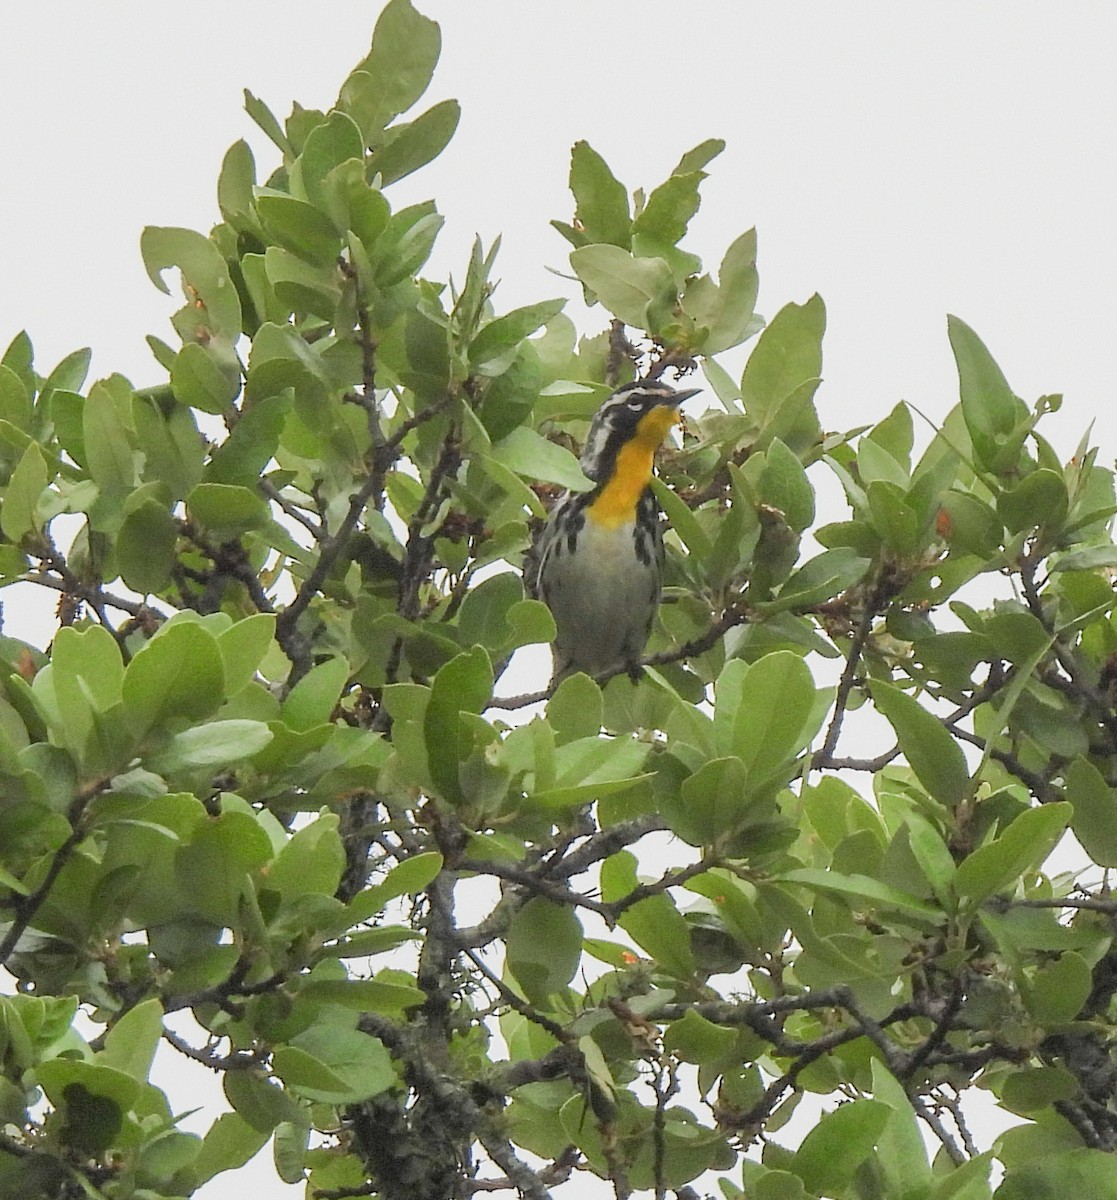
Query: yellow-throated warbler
(601, 552)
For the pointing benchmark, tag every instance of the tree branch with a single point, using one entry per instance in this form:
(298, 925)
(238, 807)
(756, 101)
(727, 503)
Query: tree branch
(25, 907)
(849, 675)
(706, 641)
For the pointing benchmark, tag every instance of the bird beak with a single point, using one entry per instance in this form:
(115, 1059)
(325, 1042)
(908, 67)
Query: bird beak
(679, 397)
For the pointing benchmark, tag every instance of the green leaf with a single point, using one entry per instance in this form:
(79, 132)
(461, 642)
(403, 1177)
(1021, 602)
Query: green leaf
(784, 485)
(365, 995)
(654, 924)
(733, 318)
(463, 685)
(396, 71)
(168, 1154)
(57, 1075)
(261, 1103)
(92, 1098)
(87, 669)
(681, 519)
(972, 526)
(1086, 559)
(1059, 989)
(864, 893)
(409, 878)
(895, 435)
(787, 357)
(243, 646)
(933, 856)
(505, 333)
(337, 140)
(624, 285)
(839, 1143)
(300, 286)
(235, 184)
(178, 675)
(934, 756)
(1095, 814)
(700, 156)
(819, 579)
(245, 453)
(108, 444)
(602, 203)
(530, 454)
(1072, 1172)
(1021, 847)
(406, 243)
(761, 715)
(229, 1144)
(299, 227)
(198, 381)
(544, 948)
(15, 403)
(575, 710)
(417, 143)
(874, 463)
(696, 1040)
(215, 304)
(901, 1153)
(145, 547)
(901, 528)
(352, 1074)
(172, 445)
(989, 408)
(227, 510)
(594, 761)
(312, 862)
(215, 744)
(710, 803)
(313, 699)
(18, 514)
(1038, 499)
(263, 116)
(482, 619)
(1034, 1088)
(131, 1043)
(1017, 636)
(212, 868)
(289, 1150)
(669, 209)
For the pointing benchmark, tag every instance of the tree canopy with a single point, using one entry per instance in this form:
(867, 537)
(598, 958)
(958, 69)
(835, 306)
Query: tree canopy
(269, 801)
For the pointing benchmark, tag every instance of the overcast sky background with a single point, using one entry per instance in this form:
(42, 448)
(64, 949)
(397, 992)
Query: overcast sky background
(903, 160)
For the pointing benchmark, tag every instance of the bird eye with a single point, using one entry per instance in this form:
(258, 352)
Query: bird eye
(636, 402)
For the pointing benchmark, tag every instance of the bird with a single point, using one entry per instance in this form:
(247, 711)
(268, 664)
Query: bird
(600, 554)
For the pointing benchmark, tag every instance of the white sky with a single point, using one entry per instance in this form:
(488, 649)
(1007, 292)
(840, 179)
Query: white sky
(904, 160)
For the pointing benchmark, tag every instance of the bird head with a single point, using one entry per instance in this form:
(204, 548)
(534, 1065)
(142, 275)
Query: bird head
(643, 411)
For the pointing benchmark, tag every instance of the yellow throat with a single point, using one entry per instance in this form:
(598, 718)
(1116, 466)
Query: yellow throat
(616, 502)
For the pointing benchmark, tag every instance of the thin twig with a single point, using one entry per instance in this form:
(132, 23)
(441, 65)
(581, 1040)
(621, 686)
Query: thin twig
(849, 675)
(670, 879)
(542, 887)
(699, 645)
(513, 1000)
(25, 907)
(239, 1061)
(72, 586)
(954, 1151)
(292, 510)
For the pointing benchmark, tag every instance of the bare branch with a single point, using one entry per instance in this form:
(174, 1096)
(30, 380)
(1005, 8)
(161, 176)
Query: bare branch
(849, 676)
